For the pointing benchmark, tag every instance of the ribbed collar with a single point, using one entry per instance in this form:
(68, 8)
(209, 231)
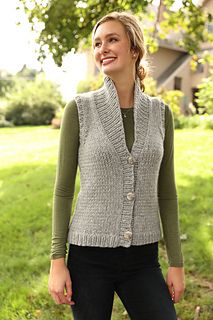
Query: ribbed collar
(107, 103)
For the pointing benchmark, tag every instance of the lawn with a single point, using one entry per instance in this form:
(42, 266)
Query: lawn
(28, 158)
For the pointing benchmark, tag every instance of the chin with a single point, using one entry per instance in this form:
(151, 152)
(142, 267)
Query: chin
(110, 72)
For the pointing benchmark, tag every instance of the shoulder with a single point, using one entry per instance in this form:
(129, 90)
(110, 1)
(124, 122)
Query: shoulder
(71, 109)
(85, 100)
(154, 102)
(70, 117)
(86, 95)
(168, 114)
(157, 102)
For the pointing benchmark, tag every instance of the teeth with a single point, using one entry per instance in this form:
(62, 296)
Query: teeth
(107, 59)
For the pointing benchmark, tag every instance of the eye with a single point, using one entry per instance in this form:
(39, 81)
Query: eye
(113, 39)
(97, 44)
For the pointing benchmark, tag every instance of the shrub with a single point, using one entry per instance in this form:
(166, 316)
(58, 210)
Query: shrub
(207, 121)
(33, 102)
(4, 123)
(90, 84)
(150, 86)
(204, 122)
(6, 85)
(205, 94)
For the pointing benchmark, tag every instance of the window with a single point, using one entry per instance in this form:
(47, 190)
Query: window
(177, 83)
(209, 27)
(200, 68)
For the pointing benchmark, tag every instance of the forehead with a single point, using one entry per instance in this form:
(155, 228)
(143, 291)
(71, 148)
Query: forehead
(108, 28)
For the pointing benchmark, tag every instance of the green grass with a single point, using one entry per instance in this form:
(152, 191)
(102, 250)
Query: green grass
(28, 158)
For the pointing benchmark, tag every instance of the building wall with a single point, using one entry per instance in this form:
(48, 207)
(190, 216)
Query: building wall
(209, 5)
(161, 60)
(184, 73)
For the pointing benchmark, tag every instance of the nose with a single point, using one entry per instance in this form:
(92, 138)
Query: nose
(104, 48)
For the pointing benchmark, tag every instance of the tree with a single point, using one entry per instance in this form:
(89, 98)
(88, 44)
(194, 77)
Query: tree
(205, 94)
(65, 25)
(5, 85)
(33, 102)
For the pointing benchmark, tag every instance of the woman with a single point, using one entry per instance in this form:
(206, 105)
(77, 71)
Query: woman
(122, 141)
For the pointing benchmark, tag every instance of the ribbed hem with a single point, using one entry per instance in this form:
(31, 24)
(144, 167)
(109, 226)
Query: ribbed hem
(93, 240)
(111, 241)
(146, 238)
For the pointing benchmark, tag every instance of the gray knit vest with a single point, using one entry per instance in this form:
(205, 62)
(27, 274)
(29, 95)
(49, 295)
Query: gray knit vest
(117, 204)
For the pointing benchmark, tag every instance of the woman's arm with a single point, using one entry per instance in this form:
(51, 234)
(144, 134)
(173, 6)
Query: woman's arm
(168, 206)
(167, 196)
(59, 284)
(65, 180)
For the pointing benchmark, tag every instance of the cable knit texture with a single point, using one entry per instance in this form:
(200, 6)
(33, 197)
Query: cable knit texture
(117, 204)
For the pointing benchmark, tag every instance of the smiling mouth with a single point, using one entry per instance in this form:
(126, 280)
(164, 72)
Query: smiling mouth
(106, 61)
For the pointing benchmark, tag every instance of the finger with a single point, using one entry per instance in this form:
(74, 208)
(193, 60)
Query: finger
(177, 295)
(63, 298)
(178, 290)
(70, 301)
(56, 298)
(59, 297)
(171, 290)
(68, 286)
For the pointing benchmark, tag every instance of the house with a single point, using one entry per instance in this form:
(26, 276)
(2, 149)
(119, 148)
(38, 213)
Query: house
(171, 65)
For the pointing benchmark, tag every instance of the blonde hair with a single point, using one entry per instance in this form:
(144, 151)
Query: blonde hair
(135, 34)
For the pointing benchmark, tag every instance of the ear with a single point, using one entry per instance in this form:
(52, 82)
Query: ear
(134, 54)
(134, 51)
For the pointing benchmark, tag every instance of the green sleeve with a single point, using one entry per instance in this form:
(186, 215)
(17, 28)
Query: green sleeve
(167, 196)
(64, 187)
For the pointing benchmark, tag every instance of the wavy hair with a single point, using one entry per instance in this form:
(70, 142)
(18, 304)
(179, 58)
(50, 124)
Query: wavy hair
(135, 35)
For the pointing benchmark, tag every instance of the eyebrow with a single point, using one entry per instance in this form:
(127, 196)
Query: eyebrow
(108, 35)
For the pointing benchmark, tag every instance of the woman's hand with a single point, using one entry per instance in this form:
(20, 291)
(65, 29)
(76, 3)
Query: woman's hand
(175, 280)
(60, 285)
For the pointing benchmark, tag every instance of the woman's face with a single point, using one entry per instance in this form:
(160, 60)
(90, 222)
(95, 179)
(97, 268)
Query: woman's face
(112, 52)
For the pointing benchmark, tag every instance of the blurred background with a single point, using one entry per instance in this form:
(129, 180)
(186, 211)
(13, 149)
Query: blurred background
(45, 59)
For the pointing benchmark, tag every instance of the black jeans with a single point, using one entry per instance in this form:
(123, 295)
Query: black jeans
(133, 273)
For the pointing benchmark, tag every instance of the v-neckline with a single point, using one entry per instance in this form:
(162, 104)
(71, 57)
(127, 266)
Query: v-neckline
(107, 104)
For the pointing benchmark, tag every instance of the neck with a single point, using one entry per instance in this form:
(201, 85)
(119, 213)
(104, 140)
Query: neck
(125, 90)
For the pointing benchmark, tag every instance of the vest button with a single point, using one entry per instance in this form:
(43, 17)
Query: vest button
(131, 196)
(131, 160)
(127, 235)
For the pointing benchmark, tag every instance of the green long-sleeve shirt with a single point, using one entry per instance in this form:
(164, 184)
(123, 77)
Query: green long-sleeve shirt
(65, 183)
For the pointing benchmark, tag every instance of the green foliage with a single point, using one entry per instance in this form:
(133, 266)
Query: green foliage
(207, 121)
(150, 86)
(191, 24)
(27, 73)
(66, 25)
(205, 94)
(4, 123)
(33, 102)
(173, 99)
(195, 121)
(5, 86)
(90, 84)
